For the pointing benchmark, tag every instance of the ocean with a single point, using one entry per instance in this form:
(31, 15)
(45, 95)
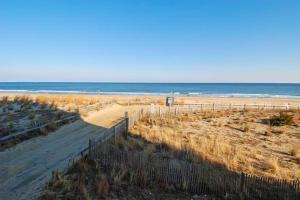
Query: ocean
(245, 90)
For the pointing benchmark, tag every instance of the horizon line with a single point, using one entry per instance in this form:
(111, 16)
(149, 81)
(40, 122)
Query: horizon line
(137, 82)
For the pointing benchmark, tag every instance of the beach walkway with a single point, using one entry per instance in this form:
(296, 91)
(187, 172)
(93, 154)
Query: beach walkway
(25, 167)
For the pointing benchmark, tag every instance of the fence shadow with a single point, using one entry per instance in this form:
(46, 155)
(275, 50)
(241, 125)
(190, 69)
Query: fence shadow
(183, 170)
(179, 170)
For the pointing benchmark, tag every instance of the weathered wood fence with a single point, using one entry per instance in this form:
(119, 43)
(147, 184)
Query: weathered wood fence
(157, 110)
(11, 137)
(219, 107)
(119, 129)
(194, 178)
(183, 175)
(70, 117)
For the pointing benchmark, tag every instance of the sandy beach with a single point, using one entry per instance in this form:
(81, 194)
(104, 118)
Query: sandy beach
(143, 99)
(25, 174)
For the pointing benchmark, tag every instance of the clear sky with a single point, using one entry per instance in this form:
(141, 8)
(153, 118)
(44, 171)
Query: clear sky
(150, 40)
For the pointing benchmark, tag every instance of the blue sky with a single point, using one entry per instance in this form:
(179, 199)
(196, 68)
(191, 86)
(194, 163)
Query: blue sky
(150, 40)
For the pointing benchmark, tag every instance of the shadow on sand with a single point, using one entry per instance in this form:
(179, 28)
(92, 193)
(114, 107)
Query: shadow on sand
(37, 139)
(135, 168)
(124, 164)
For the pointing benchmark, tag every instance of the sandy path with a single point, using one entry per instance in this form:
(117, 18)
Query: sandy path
(25, 167)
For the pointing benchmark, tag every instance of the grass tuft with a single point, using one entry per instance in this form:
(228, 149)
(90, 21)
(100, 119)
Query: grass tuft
(102, 187)
(282, 120)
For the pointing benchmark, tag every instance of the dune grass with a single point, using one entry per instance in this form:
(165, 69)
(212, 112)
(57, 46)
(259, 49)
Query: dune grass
(89, 179)
(237, 139)
(282, 119)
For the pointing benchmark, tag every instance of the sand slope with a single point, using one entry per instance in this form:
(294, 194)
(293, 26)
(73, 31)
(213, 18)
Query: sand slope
(25, 167)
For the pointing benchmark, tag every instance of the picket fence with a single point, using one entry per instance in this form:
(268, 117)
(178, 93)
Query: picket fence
(68, 118)
(193, 178)
(155, 110)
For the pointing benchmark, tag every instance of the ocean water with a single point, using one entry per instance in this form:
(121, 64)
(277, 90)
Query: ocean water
(247, 90)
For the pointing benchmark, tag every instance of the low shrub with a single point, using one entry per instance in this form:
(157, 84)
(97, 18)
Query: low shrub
(245, 128)
(295, 152)
(102, 187)
(282, 119)
(31, 116)
(268, 133)
(44, 131)
(52, 126)
(4, 100)
(4, 131)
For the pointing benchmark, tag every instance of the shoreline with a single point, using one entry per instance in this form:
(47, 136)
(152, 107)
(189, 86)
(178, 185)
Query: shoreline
(175, 94)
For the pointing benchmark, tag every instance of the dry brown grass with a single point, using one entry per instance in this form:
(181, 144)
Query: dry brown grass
(282, 119)
(4, 130)
(123, 169)
(244, 144)
(44, 131)
(31, 116)
(102, 187)
(295, 152)
(26, 113)
(71, 102)
(60, 101)
(88, 179)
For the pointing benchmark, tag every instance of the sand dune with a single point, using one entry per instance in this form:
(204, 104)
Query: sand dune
(25, 167)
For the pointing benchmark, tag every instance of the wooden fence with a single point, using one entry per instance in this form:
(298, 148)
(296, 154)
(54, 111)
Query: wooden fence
(219, 107)
(183, 175)
(86, 109)
(11, 137)
(119, 129)
(70, 117)
(159, 110)
(194, 178)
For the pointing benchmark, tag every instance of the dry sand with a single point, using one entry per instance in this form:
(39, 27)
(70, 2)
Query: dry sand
(157, 99)
(25, 167)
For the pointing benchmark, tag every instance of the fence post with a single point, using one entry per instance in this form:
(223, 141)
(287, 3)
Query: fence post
(244, 107)
(90, 147)
(213, 107)
(242, 186)
(126, 125)
(139, 115)
(115, 133)
(142, 112)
